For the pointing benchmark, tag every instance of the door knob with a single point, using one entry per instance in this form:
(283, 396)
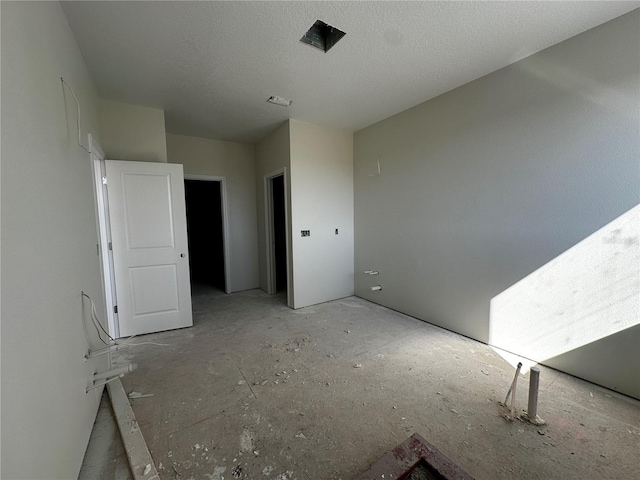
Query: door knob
(182, 255)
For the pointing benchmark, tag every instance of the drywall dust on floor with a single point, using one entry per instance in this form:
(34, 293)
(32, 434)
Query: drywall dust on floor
(256, 390)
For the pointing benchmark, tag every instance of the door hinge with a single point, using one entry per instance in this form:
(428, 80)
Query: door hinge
(110, 246)
(104, 180)
(115, 309)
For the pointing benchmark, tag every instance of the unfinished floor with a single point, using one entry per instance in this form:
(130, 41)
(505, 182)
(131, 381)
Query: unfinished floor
(257, 390)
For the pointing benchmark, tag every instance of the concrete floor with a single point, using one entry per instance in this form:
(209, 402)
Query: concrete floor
(256, 390)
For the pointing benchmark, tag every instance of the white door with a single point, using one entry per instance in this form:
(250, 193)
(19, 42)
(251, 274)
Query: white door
(149, 241)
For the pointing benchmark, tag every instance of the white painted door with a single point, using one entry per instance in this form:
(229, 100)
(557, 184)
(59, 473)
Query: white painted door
(149, 241)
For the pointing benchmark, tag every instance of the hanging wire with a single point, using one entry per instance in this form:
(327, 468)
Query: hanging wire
(113, 345)
(96, 322)
(65, 84)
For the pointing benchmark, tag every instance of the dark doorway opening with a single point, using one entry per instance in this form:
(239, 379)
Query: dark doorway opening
(205, 232)
(279, 232)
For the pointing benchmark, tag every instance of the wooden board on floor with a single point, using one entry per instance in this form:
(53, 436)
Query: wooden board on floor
(140, 461)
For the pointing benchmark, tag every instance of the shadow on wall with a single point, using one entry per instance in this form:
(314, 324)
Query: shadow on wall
(588, 293)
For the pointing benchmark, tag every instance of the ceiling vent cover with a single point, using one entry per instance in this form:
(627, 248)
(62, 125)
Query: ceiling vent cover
(276, 100)
(322, 36)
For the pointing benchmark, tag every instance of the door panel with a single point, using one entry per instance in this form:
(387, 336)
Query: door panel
(144, 194)
(154, 289)
(149, 237)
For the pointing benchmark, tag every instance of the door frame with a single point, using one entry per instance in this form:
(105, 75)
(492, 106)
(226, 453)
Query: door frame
(225, 222)
(270, 253)
(104, 235)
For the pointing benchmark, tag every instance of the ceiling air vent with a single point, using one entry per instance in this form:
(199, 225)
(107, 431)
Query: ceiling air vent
(322, 36)
(283, 102)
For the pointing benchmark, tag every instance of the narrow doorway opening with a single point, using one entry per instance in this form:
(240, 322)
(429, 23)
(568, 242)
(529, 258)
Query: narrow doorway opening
(205, 230)
(279, 233)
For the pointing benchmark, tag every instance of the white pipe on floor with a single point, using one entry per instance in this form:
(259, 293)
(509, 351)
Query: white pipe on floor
(102, 351)
(506, 399)
(100, 384)
(116, 372)
(513, 396)
(534, 382)
(532, 407)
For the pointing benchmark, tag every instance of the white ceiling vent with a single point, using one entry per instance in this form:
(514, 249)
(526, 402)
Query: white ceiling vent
(322, 36)
(283, 102)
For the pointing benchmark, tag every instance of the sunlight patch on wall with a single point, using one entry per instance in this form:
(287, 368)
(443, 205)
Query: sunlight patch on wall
(587, 293)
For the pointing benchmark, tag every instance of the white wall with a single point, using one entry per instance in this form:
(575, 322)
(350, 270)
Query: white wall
(321, 201)
(49, 242)
(483, 185)
(132, 132)
(235, 162)
(272, 154)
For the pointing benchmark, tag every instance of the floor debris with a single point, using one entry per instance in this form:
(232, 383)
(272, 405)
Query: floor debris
(237, 471)
(139, 395)
(217, 473)
(247, 441)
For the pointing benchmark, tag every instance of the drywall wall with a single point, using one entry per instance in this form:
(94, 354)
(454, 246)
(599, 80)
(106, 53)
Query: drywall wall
(483, 185)
(235, 162)
(273, 154)
(321, 202)
(49, 240)
(132, 132)
(624, 346)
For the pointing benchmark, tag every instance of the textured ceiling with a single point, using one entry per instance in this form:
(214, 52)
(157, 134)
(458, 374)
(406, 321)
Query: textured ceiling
(212, 65)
